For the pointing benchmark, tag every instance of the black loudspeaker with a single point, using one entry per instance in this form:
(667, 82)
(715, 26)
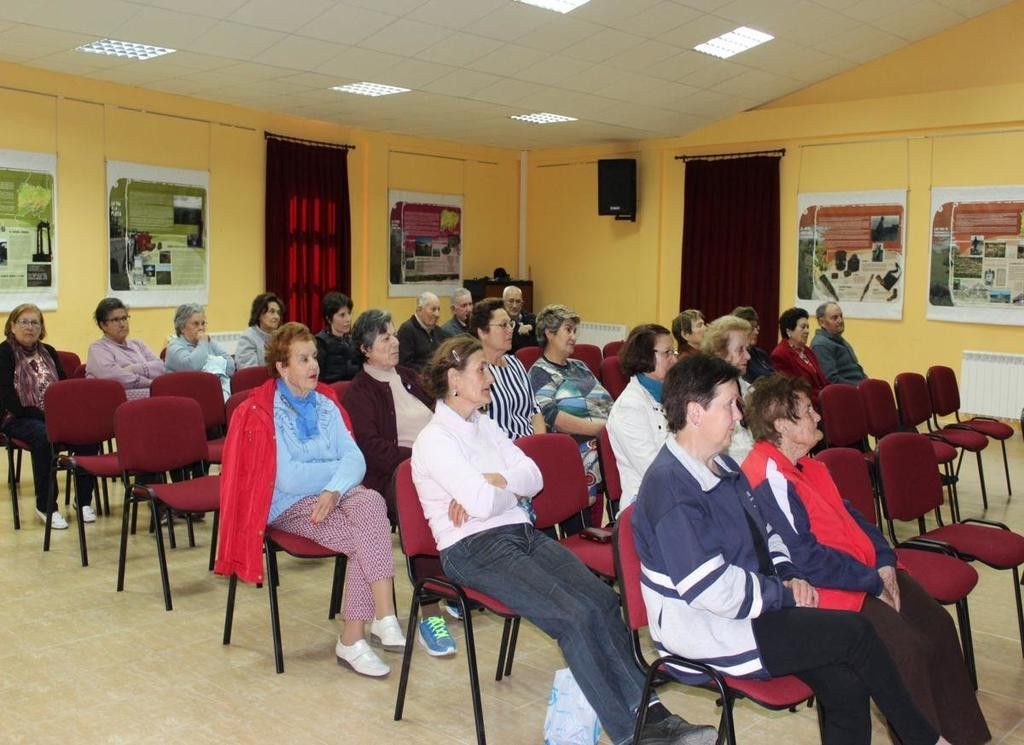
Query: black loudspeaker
(616, 188)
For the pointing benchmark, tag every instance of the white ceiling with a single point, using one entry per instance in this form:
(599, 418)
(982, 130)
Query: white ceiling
(625, 68)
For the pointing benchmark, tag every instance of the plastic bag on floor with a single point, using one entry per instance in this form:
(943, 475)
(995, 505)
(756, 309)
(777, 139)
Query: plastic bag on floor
(570, 719)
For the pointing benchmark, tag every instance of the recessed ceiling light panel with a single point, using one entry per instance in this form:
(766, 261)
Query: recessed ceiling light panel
(370, 89)
(128, 49)
(738, 40)
(543, 118)
(559, 6)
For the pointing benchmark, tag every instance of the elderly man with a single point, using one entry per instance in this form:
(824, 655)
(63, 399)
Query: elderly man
(523, 334)
(418, 337)
(837, 358)
(462, 306)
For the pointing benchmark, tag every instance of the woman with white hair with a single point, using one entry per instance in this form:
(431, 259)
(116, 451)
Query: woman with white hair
(193, 349)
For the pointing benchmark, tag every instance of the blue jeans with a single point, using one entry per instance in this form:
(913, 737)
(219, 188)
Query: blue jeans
(33, 433)
(546, 584)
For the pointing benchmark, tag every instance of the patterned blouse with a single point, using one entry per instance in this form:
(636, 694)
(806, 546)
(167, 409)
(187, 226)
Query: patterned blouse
(512, 403)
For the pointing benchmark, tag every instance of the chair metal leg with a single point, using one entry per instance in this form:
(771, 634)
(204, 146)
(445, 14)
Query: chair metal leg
(506, 629)
(51, 505)
(170, 526)
(213, 538)
(161, 553)
(981, 478)
(340, 563)
(403, 679)
(229, 611)
(12, 479)
(1006, 469)
(82, 547)
(191, 531)
(130, 506)
(275, 618)
(474, 676)
(963, 618)
(512, 647)
(1020, 611)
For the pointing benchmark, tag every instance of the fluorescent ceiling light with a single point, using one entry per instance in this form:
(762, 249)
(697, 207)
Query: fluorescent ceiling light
(129, 49)
(370, 89)
(543, 118)
(738, 40)
(559, 6)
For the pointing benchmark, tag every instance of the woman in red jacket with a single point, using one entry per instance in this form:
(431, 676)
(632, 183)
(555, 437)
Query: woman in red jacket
(793, 356)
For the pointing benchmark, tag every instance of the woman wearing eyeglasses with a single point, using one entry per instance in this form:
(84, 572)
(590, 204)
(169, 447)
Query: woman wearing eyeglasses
(128, 361)
(27, 368)
(513, 406)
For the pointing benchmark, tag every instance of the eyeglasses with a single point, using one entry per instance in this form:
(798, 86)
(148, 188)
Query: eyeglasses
(29, 323)
(119, 319)
(667, 352)
(502, 325)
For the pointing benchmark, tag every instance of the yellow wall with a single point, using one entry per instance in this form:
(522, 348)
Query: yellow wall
(835, 140)
(87, 122)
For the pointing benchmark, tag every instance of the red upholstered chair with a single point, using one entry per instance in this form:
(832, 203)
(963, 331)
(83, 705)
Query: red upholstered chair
(845, 423)
(206, 390)
(612, 377)
(70, 361)
(775, 693)
(915, 409)
(417, 543)
(248, 377)
(234, 400)
(565, 494)
(610, 471)
(945, 577)
(945, 396)
(528, 355)
(340, 387)
(81, 412)
(301, 548)
(164, 434)
(611, 349)
(14, 448)
(911, 489)
(79, 372)
(590, 355)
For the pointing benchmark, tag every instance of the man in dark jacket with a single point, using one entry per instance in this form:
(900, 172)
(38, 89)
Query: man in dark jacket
(524, 323)
(418, 337)
(838, 360)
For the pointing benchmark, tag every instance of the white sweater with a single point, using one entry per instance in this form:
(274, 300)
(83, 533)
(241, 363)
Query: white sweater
(637, 430)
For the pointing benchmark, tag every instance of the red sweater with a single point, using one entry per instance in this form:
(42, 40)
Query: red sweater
(787, 361)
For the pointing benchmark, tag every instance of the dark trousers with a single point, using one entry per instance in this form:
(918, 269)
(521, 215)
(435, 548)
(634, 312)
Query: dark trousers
(923, 643)
(839, 655)
(33, 433)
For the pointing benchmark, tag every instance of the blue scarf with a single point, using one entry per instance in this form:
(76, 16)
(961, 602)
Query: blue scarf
(304, 408)
(653, 386)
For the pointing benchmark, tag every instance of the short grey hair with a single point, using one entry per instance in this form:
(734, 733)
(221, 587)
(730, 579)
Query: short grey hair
(185, 312)
(823, 309)
(424, 298)
(510, 290)
(370, 324)
(551, 319)
(461, 292)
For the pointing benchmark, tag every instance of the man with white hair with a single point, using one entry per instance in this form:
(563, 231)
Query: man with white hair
(523, 323)
(418, 337)
(838, 360)
(462, 306)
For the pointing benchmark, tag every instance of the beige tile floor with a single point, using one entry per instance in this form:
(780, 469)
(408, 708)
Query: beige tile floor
(81, 663)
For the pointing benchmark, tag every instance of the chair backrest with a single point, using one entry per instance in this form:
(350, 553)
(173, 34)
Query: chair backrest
(340, 387)
(528, 355)
(842, 412)
(908, 475)
(69, 361)
(248, 377)
(609, 466)
(590, 355)
(565, 483)
(611, 349)
(879, 407)
(413, 528)
(203, 387)
(612, 377)
(233, 402)
(80, 411)
(850, 472)
(79, 372)
(943, 390)
(912, 398)
(627, 571)
(163, 354)
(158, 434)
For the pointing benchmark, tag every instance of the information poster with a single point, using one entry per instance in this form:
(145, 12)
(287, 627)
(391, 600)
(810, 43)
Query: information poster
(425, 243)
(159, 226)
(28, 229)
(977, 256)
(851, 251)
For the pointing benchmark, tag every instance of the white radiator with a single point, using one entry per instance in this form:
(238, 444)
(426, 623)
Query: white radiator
(992, 384)
(599, 333)
(227, 339)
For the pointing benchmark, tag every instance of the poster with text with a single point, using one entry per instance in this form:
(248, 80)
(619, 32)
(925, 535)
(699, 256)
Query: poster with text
(851, 251)
(158, 228)
(425, 243)
(977, 255)
(28, 229)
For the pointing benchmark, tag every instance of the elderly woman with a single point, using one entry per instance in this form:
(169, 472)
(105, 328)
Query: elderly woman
(848, 560)
(688, 330)
(128, 361)
(27, 368)
(265, 317)
(760, 363)
(793, 356)
(726, 338)
(512, 405)
(290, 463)
(472, 482)
(388, 410)
(719, 584)
(338, 354)
(636, 424)
(570, 397)
(193, 349)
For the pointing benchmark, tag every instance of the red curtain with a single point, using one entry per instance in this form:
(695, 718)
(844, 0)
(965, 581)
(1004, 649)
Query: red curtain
(731, 238)
(308, 230)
